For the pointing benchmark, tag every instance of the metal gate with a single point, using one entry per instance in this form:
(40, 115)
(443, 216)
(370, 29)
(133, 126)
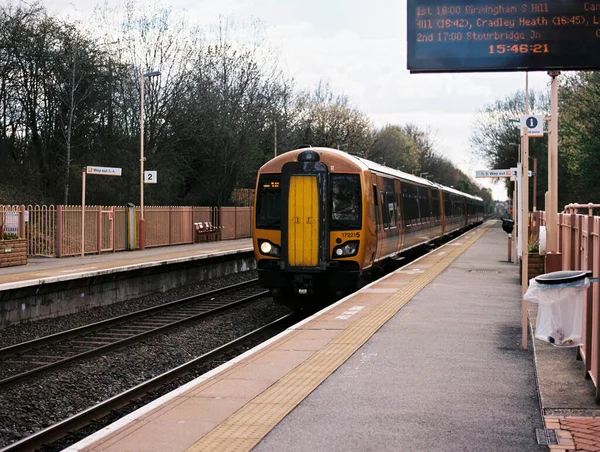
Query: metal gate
(107, 241)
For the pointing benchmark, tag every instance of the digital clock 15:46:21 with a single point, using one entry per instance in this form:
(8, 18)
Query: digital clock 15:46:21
(518, 48)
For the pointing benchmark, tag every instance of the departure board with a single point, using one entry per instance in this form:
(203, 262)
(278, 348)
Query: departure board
(483, 35)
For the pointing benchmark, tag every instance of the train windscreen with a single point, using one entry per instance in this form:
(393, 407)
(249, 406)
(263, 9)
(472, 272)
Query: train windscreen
(268, 202)
(346, 205)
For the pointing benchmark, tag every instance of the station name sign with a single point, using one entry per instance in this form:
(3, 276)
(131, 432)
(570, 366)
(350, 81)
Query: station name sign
(483, 35)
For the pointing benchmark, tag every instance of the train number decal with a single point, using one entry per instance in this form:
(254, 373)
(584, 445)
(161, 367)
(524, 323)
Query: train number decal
(351, 234)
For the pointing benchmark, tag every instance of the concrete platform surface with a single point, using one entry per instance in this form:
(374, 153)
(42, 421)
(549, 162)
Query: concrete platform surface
(40, 268)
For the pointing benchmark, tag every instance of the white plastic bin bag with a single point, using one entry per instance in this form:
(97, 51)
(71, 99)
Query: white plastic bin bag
(560, 311)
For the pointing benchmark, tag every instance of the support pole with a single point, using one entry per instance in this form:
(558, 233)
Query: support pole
(83, 213)
(515, 234)
(275, 137)
(525, 231)
(553, 257)
(142, 222)
(525, 216)
(535, 185)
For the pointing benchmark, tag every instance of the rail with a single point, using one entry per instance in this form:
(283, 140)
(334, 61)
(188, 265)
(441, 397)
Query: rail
(38, 356)
(91, 415)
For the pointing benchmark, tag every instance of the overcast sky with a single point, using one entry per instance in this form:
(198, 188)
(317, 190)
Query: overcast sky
(359, 48)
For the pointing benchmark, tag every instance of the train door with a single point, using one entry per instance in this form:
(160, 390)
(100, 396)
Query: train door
(304, 215)
(400, 213)
(378, 227)
(303, 221)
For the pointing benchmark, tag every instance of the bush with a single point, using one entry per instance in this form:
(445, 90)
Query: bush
(10, 236)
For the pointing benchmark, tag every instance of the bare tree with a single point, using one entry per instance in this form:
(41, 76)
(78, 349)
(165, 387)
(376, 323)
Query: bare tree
(324, 119)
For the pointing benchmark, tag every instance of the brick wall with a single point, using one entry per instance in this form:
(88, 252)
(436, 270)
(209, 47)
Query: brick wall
(13, 252)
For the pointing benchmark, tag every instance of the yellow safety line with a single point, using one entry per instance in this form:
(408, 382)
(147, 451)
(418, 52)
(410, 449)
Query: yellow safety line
(246, 427)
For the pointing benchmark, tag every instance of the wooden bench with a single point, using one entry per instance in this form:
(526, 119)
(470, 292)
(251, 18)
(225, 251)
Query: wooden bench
(207, 231)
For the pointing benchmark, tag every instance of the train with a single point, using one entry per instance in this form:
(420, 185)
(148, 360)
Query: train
(325, 221)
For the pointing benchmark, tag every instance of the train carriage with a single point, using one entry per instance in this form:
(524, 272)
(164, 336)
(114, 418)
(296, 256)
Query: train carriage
(325, 219)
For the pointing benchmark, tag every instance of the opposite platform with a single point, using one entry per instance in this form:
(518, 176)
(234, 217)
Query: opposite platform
(48, 270)
(428, 358)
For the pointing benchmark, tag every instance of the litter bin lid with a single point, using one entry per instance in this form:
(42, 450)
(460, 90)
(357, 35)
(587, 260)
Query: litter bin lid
(565, 276)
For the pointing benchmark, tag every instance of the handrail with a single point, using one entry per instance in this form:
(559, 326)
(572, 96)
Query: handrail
(571, 208)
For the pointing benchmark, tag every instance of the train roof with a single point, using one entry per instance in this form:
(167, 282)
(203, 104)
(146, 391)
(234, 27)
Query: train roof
(368, 164)
(411, 177)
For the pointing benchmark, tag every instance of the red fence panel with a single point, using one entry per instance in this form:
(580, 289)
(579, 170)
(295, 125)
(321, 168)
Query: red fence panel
(595, 312)
(236, 222)
(55, 231)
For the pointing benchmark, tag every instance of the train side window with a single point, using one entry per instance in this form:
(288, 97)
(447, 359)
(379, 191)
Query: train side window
(376, 202)
(391, 207)
(448, 205)
(388, 209)
(435, 204)
(410, 205)
(424, 208)
(268, 202)
(398, 206)
(384, 211)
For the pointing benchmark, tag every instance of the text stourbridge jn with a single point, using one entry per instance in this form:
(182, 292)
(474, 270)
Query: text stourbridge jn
(524, 23)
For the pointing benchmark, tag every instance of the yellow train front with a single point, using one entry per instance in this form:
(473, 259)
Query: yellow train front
(324, 219)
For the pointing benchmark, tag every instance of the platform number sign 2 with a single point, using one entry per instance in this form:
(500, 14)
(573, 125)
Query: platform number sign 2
(534, 124)
(150, 177)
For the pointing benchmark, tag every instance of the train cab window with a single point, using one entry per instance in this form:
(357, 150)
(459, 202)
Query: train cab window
(346, 202)
(268, 202)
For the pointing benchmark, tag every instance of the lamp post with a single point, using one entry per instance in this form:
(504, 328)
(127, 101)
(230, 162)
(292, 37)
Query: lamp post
(515, 206)
(142, 222)
(553, 255)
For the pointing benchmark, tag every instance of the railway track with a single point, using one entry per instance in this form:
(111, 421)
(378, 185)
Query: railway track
(90, 415)
(26, 360)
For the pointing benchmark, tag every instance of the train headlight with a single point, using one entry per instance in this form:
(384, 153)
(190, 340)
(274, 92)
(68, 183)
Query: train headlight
(268, 248)
(265, 247)
(347, 249)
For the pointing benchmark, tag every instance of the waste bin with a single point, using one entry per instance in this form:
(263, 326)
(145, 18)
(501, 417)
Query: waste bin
(560, 297)
(508, 225)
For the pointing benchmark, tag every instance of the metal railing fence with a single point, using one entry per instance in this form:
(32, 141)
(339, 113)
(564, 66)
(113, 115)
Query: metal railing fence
(56, 231)
(579, 244)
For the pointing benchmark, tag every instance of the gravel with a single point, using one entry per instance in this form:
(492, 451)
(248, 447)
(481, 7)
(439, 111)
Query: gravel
(27, 408)
(25, 331)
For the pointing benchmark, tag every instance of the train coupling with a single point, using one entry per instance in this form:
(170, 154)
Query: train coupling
(303, 286)
(304, 291)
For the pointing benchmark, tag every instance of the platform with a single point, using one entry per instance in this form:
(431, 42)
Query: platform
(428, 358)
(41, 270)
(51, 287)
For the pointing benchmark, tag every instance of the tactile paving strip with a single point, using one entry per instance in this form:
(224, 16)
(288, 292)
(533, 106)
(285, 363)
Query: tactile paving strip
(246, 427)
